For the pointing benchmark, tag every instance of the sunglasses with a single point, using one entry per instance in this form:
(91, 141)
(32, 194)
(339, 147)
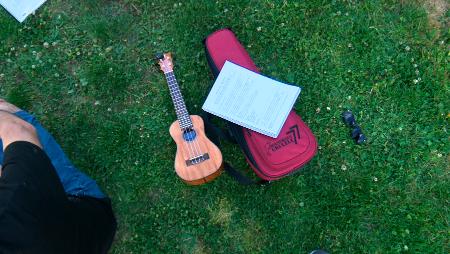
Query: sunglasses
(356, 132)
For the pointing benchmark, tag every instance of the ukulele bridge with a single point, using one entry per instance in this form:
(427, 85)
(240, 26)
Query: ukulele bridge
(197, 160)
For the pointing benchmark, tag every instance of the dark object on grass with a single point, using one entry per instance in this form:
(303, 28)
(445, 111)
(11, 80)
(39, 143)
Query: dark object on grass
(159, 56)
(349, 118)
(319, 252)
(356, 133)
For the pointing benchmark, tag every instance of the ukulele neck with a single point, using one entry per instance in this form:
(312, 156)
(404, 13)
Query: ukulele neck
(180, 107)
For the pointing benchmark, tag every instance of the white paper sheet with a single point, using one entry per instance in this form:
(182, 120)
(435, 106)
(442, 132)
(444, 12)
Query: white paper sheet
(251, 100)
(20, 9)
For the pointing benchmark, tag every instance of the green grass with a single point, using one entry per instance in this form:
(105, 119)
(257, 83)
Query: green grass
(98, 91)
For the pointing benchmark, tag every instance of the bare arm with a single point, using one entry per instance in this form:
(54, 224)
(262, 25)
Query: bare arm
(14, 129)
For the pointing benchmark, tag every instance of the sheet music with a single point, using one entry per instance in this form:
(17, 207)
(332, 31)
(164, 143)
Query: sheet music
(251, 100)
(20, 9)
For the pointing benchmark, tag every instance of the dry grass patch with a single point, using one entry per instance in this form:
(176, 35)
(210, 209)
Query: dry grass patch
(221, 213)
(435, 9)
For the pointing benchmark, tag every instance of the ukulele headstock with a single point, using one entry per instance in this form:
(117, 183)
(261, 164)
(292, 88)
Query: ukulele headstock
(165, 62)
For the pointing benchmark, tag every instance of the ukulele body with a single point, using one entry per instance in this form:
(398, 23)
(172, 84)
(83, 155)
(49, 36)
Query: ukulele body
(196, 172)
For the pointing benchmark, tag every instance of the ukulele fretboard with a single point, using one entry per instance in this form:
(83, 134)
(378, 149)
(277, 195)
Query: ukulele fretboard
(180, 107)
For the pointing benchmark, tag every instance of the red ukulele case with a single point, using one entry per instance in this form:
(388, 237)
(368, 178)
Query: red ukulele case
(270, 158)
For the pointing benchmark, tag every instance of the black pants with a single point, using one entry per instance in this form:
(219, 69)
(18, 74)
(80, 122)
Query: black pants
(36, 215)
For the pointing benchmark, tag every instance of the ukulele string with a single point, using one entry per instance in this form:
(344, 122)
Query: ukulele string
(197, 145)
(183, 112)
(190, 148)
(193, 145)
(179, 108)
(186, 131)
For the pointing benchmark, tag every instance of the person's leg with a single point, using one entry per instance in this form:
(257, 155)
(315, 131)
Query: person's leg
(74, 181)
(32, 200)
(36, 214)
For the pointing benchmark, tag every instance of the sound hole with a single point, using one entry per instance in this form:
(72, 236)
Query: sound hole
(189, 135)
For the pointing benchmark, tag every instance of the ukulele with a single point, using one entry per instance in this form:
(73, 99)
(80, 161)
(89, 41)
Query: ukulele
(197, 160)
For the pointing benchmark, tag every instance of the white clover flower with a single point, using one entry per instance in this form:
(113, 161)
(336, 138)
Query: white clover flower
(97, 103)
(83, 82)
(415, 81)
(375, 179)
(343, 167)
(317, 110)
(407, 48)
(33, 66)
(439, 155)
(258, 28)
(328, 108)
(46, 45)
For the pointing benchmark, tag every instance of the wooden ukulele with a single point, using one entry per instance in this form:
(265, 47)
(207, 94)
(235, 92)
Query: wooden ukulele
(197, 160)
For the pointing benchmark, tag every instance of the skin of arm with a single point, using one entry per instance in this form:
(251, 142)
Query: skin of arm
(14, 129)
